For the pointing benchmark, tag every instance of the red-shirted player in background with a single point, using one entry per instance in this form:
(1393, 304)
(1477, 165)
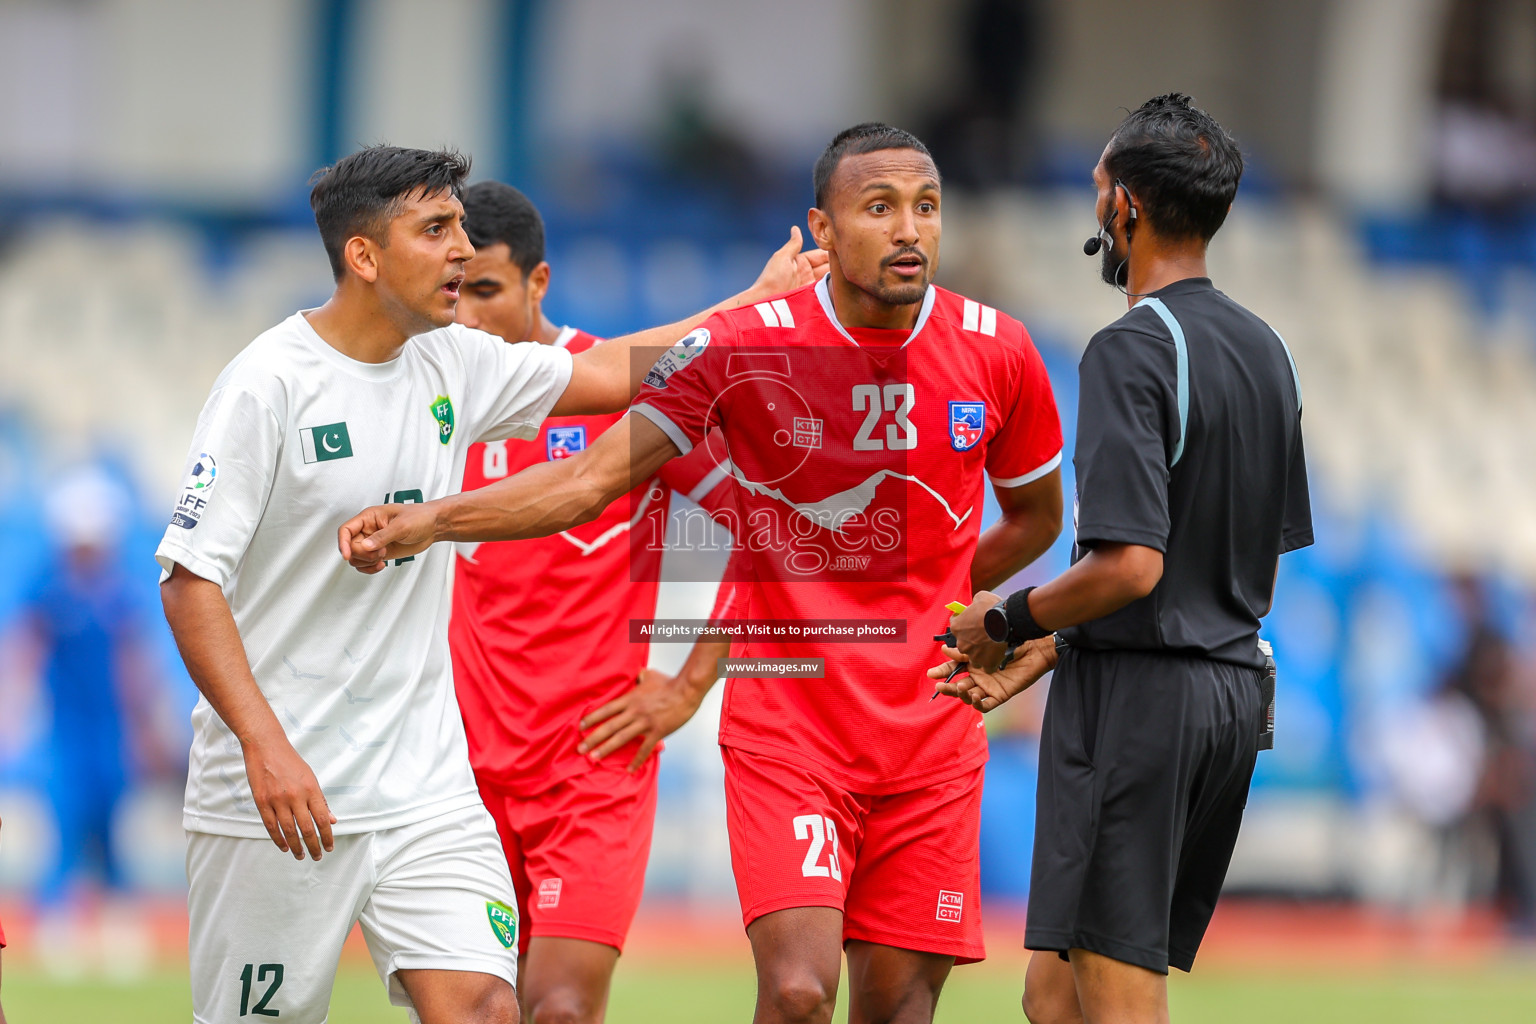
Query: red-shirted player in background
(577, 833)
(862, 417)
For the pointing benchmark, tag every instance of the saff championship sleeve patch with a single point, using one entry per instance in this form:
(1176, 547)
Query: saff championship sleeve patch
(194, 493)
(677, 357)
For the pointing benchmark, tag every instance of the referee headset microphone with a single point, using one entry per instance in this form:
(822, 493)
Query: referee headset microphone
(1104, 240)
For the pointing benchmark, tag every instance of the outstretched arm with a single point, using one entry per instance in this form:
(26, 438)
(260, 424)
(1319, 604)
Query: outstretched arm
(605, 377)
(541, 500)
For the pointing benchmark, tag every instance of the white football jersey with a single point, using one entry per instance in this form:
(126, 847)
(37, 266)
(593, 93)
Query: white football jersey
(295, 439)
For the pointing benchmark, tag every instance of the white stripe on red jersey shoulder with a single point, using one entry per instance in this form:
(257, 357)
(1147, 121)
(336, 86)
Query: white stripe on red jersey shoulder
(976, 317)
(775, 313)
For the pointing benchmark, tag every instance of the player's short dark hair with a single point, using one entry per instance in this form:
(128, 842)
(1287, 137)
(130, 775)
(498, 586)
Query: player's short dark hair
(868, 137)
(1179, 163)
(360, 194)
(495, 212)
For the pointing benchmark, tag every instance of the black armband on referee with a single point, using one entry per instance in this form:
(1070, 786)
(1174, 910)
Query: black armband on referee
(1011, 621)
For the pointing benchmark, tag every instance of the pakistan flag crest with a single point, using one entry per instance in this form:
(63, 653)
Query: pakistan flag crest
(442, 411)
(503, 922)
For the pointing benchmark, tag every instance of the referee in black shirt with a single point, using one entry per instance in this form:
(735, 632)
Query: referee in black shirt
(1190, 482)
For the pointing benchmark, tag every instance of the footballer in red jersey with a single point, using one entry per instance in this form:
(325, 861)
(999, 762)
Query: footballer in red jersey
(576, 828)
(862, 418)
(888, 438)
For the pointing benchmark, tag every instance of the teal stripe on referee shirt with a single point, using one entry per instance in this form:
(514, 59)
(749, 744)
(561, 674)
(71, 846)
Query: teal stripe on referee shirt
(1181, 355)
(1295, 374)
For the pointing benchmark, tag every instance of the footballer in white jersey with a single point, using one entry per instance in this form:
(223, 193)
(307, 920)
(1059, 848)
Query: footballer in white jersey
(294, 431)
(328, 723)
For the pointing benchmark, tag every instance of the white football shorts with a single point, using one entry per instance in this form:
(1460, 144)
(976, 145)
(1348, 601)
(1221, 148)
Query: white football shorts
(267, 930)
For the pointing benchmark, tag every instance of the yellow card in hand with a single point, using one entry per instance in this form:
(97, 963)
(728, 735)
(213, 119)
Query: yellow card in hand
(955, 607)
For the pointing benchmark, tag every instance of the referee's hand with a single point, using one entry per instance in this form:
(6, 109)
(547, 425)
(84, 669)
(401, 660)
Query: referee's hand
(987, 690)
(971, 633)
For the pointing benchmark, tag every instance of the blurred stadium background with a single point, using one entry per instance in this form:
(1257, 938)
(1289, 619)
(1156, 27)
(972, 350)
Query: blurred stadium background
(154, 218)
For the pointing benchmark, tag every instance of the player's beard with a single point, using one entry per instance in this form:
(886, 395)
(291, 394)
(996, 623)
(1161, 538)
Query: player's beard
(1110, 266)
(904, 293)
(901, 294)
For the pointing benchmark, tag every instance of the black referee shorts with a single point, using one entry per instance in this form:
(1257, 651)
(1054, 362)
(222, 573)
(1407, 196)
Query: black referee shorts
(1145, 761)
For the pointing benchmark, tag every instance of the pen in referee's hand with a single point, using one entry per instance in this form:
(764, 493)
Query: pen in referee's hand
(947, 638)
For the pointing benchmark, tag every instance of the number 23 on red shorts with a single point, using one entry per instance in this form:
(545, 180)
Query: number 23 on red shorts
(904, 868)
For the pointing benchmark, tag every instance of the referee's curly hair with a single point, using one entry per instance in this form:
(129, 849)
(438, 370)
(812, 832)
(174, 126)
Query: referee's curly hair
(1180, 164)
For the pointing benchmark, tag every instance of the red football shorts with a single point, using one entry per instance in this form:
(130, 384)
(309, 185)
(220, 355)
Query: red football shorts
(577, 852)
(904, 868)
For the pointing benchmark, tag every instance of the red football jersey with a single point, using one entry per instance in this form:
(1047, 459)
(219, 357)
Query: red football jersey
(859, 460)
(540, 630)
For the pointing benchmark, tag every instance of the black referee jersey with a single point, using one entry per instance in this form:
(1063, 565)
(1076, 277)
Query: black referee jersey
(1188, 441)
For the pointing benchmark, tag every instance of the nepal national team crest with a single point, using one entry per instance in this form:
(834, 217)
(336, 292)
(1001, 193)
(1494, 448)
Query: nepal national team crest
(967, 422)
(563, 442)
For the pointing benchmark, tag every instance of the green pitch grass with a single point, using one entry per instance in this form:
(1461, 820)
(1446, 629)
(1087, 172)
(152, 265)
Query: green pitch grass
(653, 993)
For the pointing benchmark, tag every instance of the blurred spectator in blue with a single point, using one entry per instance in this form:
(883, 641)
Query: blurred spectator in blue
(1433, 751)
(89, 649)
(1487, 677)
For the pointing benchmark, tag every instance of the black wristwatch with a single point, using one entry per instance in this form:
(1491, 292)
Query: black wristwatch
(1011, 622)
(995, 621)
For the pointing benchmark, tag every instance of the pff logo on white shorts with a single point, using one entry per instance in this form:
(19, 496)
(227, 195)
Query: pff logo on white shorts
(503, 922)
